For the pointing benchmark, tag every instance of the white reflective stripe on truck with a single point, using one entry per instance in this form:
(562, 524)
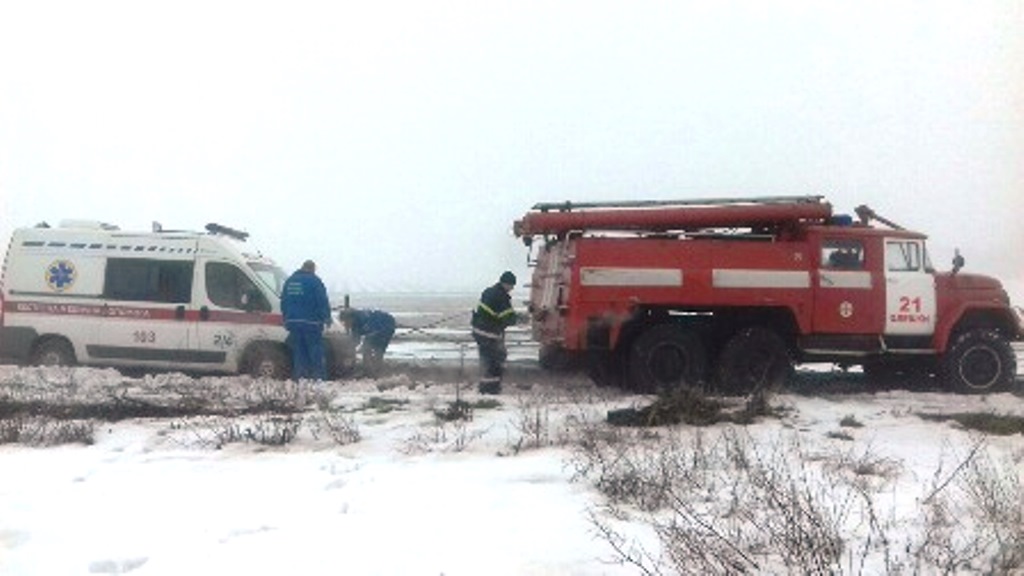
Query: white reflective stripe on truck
(740, 278)
(844, 279)
(631, 276)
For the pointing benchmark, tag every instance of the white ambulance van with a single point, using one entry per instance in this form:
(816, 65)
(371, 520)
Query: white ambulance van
(89, 293)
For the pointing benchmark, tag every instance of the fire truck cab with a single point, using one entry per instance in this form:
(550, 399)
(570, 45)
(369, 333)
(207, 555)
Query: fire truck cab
(729, 293)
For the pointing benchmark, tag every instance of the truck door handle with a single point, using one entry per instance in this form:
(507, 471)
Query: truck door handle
(204, 313)
(179, 313)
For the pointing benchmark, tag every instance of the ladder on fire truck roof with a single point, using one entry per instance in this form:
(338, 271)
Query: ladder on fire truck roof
(568, 206)
(679, 215)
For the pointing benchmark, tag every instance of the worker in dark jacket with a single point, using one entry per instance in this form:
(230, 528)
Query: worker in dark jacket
(490, 318)
(306, 312)
(374, 328)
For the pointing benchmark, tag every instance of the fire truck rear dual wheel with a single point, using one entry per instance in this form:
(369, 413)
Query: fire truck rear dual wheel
(754, 359)
(555, 358)
(605, 369)
(666, 357)
(979, 361)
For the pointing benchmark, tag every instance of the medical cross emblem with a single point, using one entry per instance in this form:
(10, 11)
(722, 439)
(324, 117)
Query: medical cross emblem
(61, 275)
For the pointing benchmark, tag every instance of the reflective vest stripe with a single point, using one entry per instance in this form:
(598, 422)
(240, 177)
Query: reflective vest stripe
(491, 311)
(487, 334)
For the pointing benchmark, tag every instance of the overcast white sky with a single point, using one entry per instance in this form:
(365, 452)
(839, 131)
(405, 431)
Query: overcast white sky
(395, 142)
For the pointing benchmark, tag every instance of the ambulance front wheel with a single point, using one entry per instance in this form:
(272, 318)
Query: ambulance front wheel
(268, 361)
(54, 351)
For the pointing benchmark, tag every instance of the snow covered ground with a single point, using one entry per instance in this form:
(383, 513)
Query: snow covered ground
(500, 493)
(415, 495)
(154, 496)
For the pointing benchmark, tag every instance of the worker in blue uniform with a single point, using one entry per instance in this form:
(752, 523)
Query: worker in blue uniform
(374, 329)
(307, 312)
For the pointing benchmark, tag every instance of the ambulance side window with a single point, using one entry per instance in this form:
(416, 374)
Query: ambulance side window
(142, 280)
(229, 287)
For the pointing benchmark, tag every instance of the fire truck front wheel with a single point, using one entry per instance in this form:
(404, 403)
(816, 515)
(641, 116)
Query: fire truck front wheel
(667, 357)
(753, 360)
(54, 351)
(979, 361)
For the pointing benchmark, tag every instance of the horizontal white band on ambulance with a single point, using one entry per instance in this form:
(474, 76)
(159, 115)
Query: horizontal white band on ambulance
(631, 277)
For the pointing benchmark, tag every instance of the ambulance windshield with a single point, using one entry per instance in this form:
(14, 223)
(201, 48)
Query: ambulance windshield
(271, 276)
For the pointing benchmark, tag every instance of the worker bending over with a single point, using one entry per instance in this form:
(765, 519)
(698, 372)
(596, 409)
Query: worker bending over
(374, 329)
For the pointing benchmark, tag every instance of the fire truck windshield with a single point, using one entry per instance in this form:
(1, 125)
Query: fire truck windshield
(928, 260)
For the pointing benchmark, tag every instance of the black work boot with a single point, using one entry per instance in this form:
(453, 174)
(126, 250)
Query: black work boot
(491, 387)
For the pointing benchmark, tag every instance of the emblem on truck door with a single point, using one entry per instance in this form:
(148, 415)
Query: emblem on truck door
(60, 275)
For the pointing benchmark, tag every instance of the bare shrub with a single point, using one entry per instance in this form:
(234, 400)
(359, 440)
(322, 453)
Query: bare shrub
(683, 405)
(863, 467)
(974, 517)
(43, 431)
(986, 422)
(849, 421)
(443, 436)
(719, 504)
(198, 396)
(532, 424)
(382, 405)
(274, 430)
(218, 431)
(454, 411)
(396, 381)
(340, 428)
(727, 504)
(280, 396)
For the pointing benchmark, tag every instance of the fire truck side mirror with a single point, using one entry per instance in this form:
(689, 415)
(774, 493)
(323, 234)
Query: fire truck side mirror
(958, 261)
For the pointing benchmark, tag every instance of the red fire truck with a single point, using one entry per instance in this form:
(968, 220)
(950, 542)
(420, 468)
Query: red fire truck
(729, 293)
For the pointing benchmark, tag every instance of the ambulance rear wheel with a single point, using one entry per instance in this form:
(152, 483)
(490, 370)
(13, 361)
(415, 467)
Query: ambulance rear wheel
(266, 361)
(54, 352)
(978, 362)
(754, 360)
(667, 357)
